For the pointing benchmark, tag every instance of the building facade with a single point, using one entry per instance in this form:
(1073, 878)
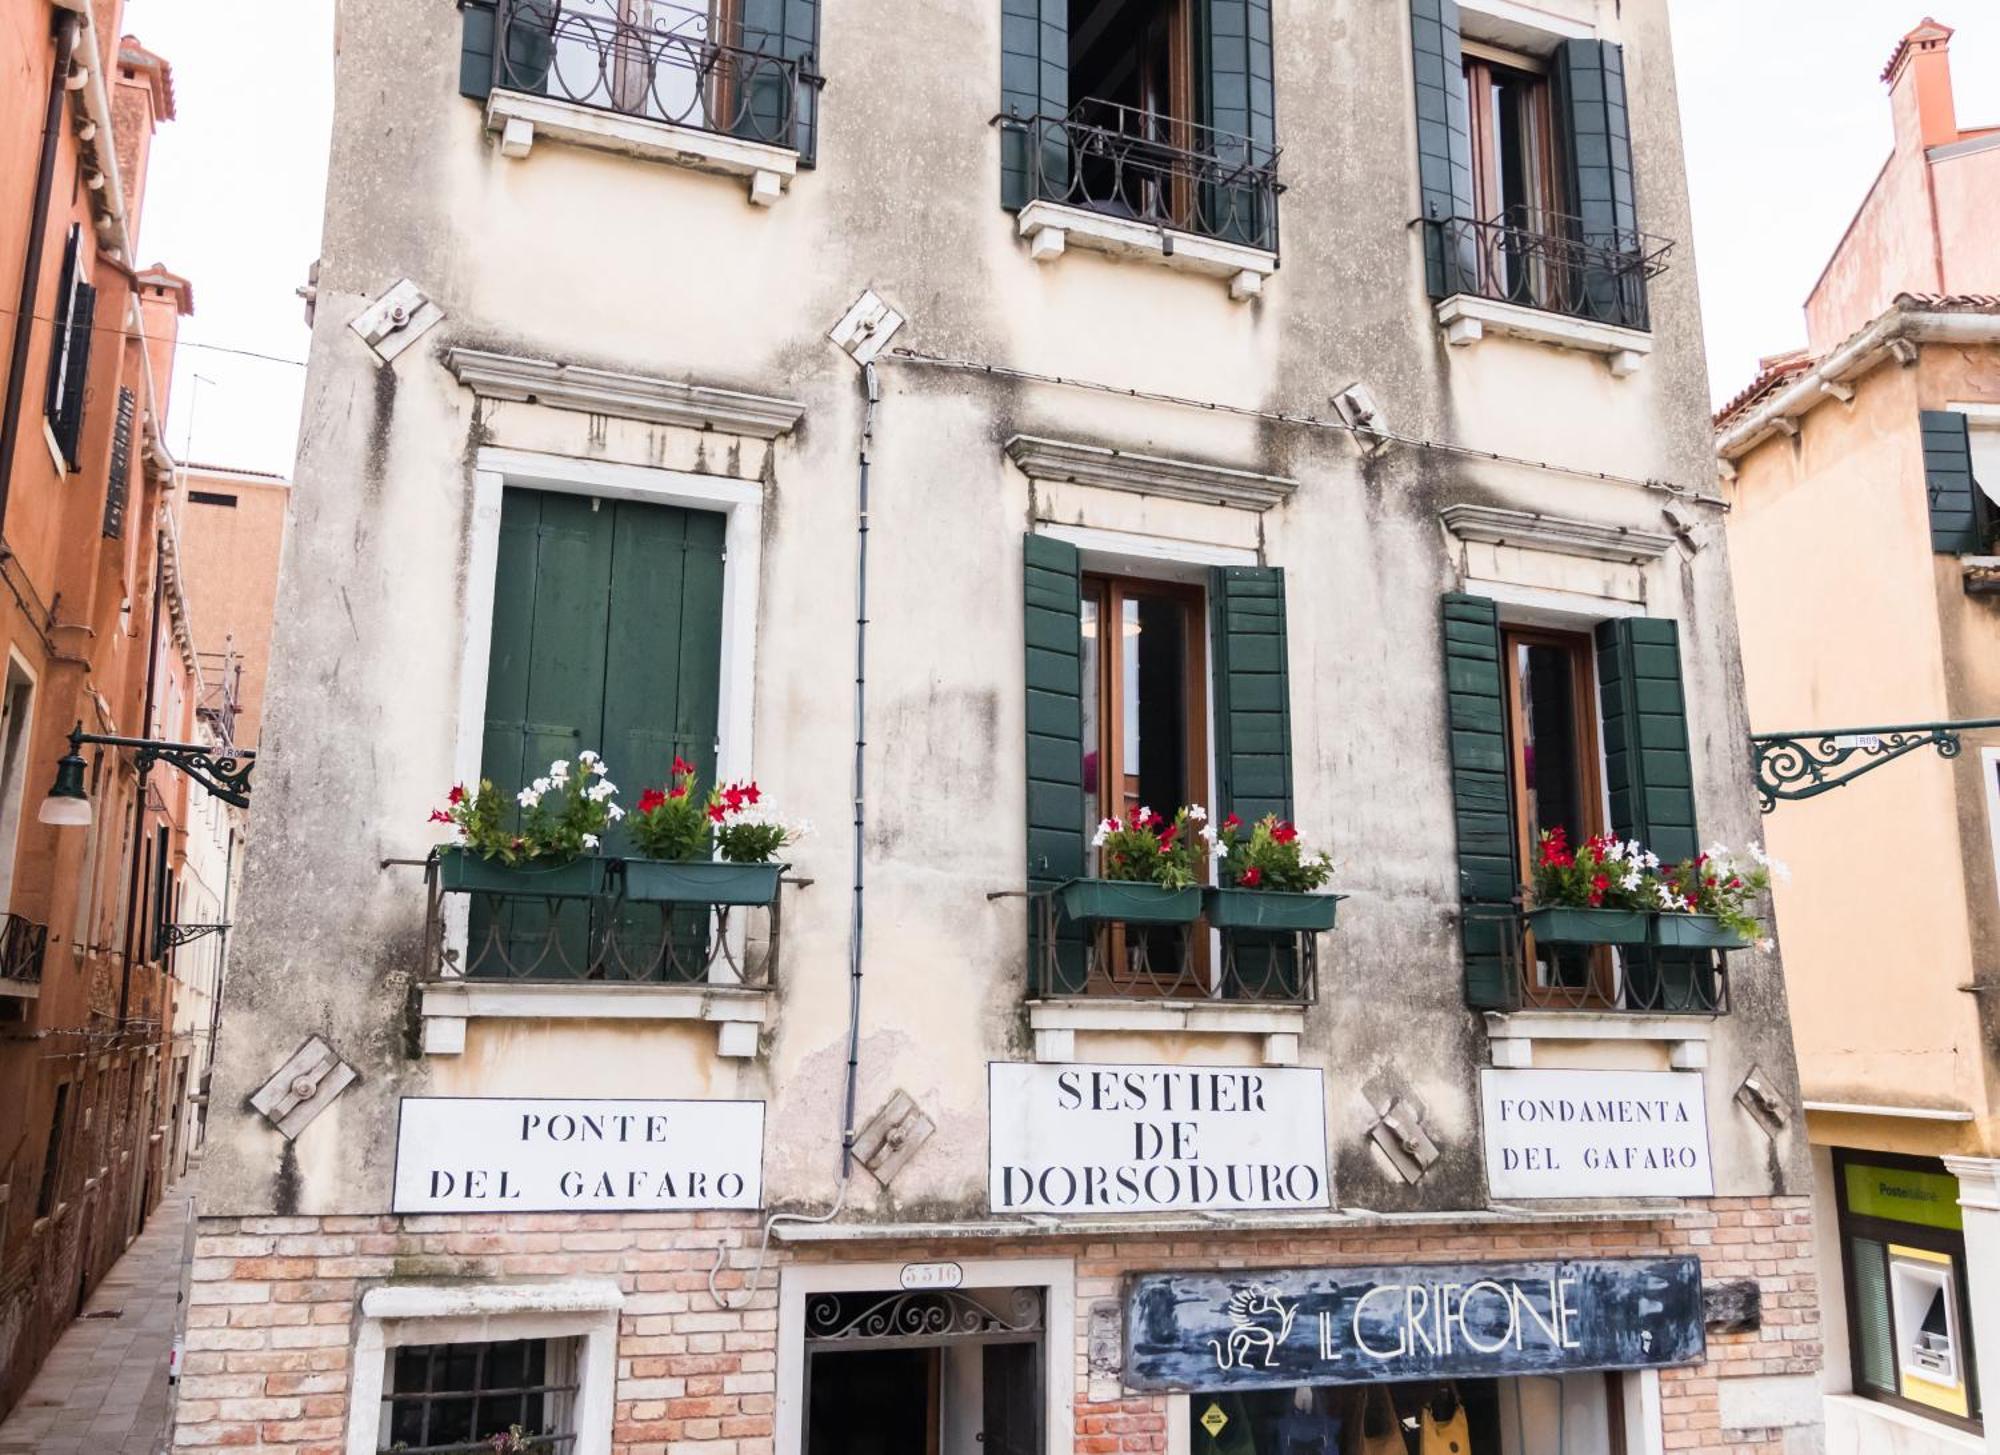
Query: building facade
(94, 626)
(682, 386)
(1864, 473)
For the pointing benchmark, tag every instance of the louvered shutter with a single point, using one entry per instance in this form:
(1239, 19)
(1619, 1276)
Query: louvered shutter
(1053, 622)
(524, 29)
(76, 374)
(1253, 716)
(1590, 105)
(1238, 102)
(1475, 707)
(63, 306)
(1444, 147)
(1648, 772)
(783, 30)
(120, 474)
(1034, 91)
(1953, 497)
(475, 48)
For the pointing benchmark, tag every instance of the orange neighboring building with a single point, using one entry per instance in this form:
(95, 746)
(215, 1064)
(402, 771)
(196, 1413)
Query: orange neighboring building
(1864, 541)
(232, 529)
(93, 630)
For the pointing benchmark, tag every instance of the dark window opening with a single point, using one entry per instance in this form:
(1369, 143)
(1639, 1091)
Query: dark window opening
(210, 497)
(460, 1397)
(69, 351)
(46, 1197)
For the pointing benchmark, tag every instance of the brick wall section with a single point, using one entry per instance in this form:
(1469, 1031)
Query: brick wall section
(275, 1301)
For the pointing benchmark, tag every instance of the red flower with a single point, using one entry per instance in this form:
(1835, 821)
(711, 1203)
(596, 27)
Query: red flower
(1596, 898)
(682, 767)
(715, 812)
(651, 799)
(1167, 838)
(1116, 827)
(751, 793)
(733, 798)
(1735, 883)
(457, 793)
(1252, 877)
(1600, 883)
(1284, 833)
(440, 816)
(1232, 822)
(679, 790)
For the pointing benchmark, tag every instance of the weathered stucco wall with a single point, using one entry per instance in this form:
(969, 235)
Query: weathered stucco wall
(646, 268)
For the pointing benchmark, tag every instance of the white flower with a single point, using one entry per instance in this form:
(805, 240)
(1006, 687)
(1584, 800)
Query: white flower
(613, 812)
(1767, 945)
(591, 761)
(1217, 851)
(1668, 899)
(528, 798)
(542, 785)
(1196, 813)
(1614, 851)
(590, 841)
(602, 789)
(1652, 860)
(1105, 829)
(559, 771)
(1144, 815)
(1631, 880)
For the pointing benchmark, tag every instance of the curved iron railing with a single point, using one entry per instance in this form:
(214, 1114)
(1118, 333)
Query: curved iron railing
(1637, 979)
(528, 937)
(1115, 961)
(23, 946)
(655, 60)
(1551, 262)
(1124, 162)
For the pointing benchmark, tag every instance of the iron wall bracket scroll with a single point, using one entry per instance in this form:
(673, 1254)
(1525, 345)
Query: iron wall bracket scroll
(1797, 765)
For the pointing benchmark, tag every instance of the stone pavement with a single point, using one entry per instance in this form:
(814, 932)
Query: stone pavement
(103, 1389)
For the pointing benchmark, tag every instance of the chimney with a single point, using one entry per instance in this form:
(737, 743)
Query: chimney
(1919, 81)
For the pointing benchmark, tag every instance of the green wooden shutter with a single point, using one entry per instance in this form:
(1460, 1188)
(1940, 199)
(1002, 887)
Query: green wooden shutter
(1253, 711)
(1597, 150)
(1034, 90)
(1648, 772)
(475, 48)
(1233, 41)
(786, 30)
(1444, 146)
(76, 374)
(1053, 620)
(1953, 495)
(1475, 711)
(61, 308)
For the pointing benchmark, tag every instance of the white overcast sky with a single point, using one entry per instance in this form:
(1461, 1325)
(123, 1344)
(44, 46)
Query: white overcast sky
(1785, 126)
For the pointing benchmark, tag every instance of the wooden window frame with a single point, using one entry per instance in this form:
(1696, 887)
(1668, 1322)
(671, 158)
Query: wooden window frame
(1480, 64)
(1109, 593)
(1850, 1225)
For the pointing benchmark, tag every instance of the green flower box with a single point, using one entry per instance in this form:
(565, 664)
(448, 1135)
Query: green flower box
(1695, 932)
(1269, 909)
(1563, 925)
(462, 872)
(700, 881)
(1132, 903)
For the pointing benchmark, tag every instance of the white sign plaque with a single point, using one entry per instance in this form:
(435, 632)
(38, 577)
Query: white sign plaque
(1091, 1141)
(504, 1154)
(932, 1275)
(1596, 1134)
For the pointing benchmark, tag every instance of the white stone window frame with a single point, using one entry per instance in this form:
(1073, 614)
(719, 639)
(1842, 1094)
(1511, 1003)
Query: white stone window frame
(737, 1013)
(396, 1315)
(1055, 1277)
(1056, 1021)
(16, 673)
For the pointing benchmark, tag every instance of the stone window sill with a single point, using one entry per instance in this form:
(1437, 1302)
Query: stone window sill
(1051, 228)
(738, 1013)
(1056, 1022)
(1467, 319)
(21, 989)
(520, 118)
(1876, 1417)
(1513, 1033)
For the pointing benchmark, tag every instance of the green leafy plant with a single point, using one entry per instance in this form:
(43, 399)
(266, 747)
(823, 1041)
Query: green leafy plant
(1270, 856)
(556, 819)
(1602, 873)
(1148, 849)
(729, 822)
(1715, 882)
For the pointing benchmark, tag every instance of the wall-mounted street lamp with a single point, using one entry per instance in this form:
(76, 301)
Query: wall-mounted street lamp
(224, 772)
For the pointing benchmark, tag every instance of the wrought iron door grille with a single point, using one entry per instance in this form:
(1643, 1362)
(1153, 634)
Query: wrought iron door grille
(908, 1319)
(469, 1399)
(1550, 262)
(655, 60)
(23, 946)
(1120, 161)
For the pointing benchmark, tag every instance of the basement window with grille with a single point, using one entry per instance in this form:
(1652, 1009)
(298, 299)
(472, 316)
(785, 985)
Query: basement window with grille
(515, 1395)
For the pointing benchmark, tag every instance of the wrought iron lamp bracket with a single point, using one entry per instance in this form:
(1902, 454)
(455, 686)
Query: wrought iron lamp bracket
(172, 937)
(224, 772)
(1798, 765)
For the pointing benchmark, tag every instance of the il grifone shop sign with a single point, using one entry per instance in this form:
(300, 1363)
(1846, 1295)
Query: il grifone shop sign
(1091, 1140)
(1281, 1327)
(502, 1154)
(1596, 1134)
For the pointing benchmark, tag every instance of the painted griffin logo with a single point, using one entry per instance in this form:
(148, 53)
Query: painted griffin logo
(1261, 1321)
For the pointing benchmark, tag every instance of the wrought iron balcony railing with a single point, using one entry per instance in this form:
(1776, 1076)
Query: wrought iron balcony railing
(658, 61)
(1551, 262)
(526, 937)
(1635, 979)
(23, 946)
(1116, 961)
(1124, 162)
